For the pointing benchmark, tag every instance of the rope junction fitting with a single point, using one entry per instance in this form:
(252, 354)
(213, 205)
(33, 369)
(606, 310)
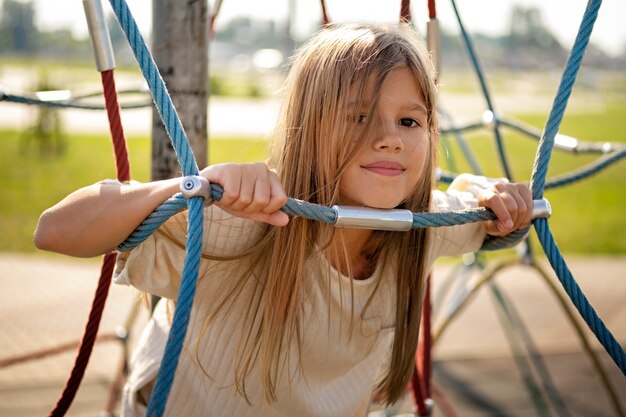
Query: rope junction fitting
(99, 35)
(363, 217)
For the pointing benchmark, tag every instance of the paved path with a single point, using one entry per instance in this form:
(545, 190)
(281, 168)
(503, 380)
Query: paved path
(45, 299)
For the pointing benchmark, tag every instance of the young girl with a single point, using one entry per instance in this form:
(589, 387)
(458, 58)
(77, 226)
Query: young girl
(293, 317)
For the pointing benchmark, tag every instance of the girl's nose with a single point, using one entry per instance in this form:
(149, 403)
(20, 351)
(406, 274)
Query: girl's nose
(388, 139)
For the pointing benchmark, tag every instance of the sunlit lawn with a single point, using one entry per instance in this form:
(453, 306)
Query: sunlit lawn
(588, 216)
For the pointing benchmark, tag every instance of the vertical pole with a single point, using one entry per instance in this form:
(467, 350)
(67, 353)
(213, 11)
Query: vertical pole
(180, 35)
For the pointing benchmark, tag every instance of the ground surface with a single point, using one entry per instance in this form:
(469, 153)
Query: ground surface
(45, 300)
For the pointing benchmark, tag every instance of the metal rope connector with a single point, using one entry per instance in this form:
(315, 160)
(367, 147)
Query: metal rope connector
(196, 186)
(490, 119)
(541, 208)
(375, 219)
(99, 34)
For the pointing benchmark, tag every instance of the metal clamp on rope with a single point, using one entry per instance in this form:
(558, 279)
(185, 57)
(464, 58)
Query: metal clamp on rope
(375, 219)
(489, 119)
(99, 34)
(196, 186)
(541, 208)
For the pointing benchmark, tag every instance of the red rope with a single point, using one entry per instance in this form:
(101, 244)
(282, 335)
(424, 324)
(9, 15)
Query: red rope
(325, 18)
(405, 11)
(432, 9)
(216, 11)
(442, 403)
(86, 345)
(424, 349)
(115, 125)
(420, 382)
(108, 263)
(418, 393)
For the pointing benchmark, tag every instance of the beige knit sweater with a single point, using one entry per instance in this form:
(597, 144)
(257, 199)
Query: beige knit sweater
(340, 357)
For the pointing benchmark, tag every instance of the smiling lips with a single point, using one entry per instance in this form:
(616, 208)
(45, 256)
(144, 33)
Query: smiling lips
(386, 168)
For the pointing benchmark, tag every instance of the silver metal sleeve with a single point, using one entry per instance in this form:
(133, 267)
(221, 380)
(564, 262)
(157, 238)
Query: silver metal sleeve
(541, 208)
(433, 44)
(565, 142)
(195, 186)
(99, 34)
(375, 219)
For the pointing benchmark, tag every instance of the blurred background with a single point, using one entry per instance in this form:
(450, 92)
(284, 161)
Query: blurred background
(522, 47)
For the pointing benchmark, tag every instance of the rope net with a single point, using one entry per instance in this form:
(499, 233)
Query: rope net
(548, 140)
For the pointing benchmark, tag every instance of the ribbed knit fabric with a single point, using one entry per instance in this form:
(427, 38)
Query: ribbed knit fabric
(341, 356)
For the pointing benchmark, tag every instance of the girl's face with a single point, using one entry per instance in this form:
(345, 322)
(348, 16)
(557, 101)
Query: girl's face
(388, 166)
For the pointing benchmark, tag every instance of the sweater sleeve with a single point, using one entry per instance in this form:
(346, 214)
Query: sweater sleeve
(156, 265)
(457, 240)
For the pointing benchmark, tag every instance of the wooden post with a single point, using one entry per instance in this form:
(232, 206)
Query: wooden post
(180, 35)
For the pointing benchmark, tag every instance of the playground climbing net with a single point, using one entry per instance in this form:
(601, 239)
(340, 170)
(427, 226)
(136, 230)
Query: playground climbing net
(196, 191)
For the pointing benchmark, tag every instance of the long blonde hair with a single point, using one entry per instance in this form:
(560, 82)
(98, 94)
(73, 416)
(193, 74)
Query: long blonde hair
(313, 145)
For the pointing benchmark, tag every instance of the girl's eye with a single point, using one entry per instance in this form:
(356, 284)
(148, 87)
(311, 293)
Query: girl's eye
(360, 119)
(407, 122)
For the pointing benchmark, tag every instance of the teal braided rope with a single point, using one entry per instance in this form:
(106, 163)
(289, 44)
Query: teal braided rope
(586, 171)
(160, 95)
(546, 143)
(566, 179)
(494, 243)
(154, 221)
(182, 313)
(64, 104)
(187, 161)
(311, 211)
(537, 184)
(483, 86)
(604, 336)
(451, 218)
(580, 147)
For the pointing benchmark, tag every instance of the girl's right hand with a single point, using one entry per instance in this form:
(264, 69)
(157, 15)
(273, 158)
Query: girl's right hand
(251, 191)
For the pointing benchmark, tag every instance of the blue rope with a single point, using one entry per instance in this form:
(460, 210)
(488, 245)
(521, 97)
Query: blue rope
(546, 144)
(586, 171)
(604, 336)
(295, 207)
(566, 179)
(460, 140)
(540, 169)
(154, 221)
(187, 161)
(483, 85)
(161, 97)
(62, 104)
(182, 312)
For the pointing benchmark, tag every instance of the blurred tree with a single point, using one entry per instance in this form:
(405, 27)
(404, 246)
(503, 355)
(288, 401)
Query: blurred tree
(18, 33)
(528, 29)
(46, 132)
(530, 43)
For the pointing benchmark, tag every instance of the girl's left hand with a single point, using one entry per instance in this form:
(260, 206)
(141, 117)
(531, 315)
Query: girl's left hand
(513, 205)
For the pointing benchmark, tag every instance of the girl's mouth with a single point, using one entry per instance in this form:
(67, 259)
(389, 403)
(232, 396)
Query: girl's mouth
(386, 168)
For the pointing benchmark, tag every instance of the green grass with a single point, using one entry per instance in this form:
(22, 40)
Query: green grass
(588, 216)
(32, 181)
